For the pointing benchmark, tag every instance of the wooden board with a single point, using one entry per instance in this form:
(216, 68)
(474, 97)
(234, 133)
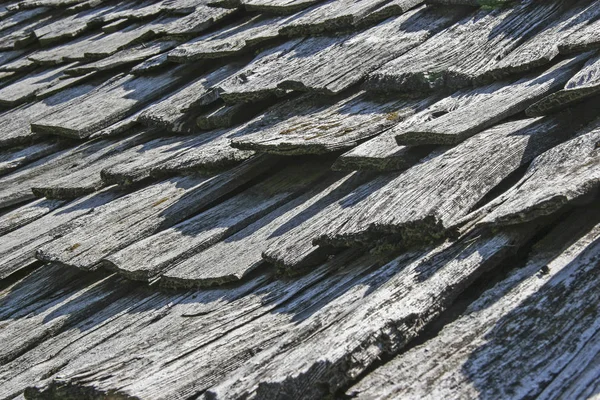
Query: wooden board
(25, 214)
(585, 38)
(426, 200)
(16, 157)
(141, 214)
(533, 335)
(26, 88)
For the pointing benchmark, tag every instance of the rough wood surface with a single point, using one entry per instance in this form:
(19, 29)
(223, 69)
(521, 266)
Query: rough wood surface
(585, 38)
(16, 157)
(140, 214)
(462, 53)
(25, 214)
(152, 256)
(17, 248)
(533, 335)
(377, 316)
(330, 65)
(107, 104)
(427, 199)
(26, 88)
(312, 124)
(277, 6)
(488, 105)
(556, 178)
(584, 84)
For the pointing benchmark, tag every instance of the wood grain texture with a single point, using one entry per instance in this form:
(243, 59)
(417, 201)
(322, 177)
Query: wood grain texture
(16, 157)
(141, 214)
(534, 334)
(585, 38)
(27, 213)
(461, 54)
(25, 89)
(427, 199)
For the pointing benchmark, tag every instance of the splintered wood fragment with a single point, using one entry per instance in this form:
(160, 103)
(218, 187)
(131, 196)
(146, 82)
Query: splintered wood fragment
(426, 200)
(335, 16)
(16, 157)
(312, 124)
(375, 317)
(584, 84)
(207, 153)
(544, 46)
(555, 178)
(380, 154)
(26, 88)
(278, 6)
(107, 104)
(140, 214)
(486, 106)
(461, 54)
(332, 64)
(148, 258)
(124, 57)
(293, 251)
(25, 214)
(15, 124)
(532, 335)
(17, 248)
(585, 38)
(177, 111)
(85, 178)
(231, 40)
(236, 256)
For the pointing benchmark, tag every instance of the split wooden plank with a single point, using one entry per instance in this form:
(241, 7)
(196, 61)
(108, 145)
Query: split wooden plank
(461, 54)
(16, 157)
(203, 18)
(10, 55)
(84, 178)
(376, 317)
(142, 213)
(544, 46)
(108, 104)
(232, 40)
(227, 116)
(585, 38)
(238, 255)
(584, 84)
(488, 105)
(22, 35)
(338, 16)
(21, 16)
(331, 65)
(15, 124)
(150, 257)
(124, 57)
(277, 6)
(17, 248)
(556, 178)
(422, 203)
(312, 124)
(29, 4)
(530, 336)
(25, 214)
(176, 112)
(26, 88)
(200, 154)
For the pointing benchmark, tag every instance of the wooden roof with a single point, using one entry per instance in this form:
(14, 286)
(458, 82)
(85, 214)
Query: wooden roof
(299, 199)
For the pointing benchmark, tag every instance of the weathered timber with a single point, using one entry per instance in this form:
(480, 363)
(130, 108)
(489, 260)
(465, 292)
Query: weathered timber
(544, 46)
(148, 258)
(423, 202)
(108, 104)
(85, 178)
(25, 214)
(21, 35)
(15, 124)
(21, 16)
(177, 112)
(585, 38)
(277, 6)
(16, 157)
(238, 255)
(26, 88)
(584, 84)
(227, 116)
(30, 4)
(231, 40)
(140, 214)
(10, 55)
(343, 15)
(124, 57)
(533, 335)
(330, 65)
(461, 54)
(207, 153)
(17, 248)
(312, 124)
(486, 106)
(556, 178)
(376, 317)
(202, 19)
